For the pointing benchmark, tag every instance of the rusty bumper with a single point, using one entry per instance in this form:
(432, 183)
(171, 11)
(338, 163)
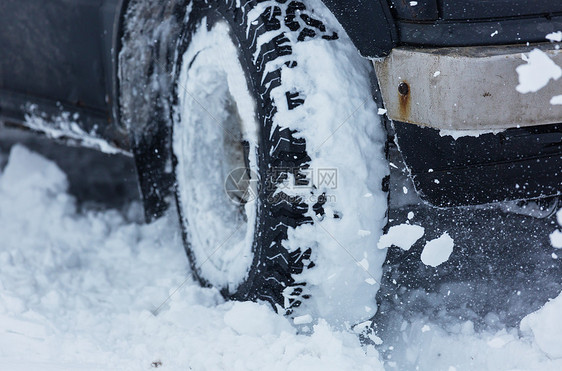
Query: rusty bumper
(466, 88)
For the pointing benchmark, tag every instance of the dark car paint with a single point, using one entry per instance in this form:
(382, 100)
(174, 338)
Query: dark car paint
(518, 163)
(60, 55)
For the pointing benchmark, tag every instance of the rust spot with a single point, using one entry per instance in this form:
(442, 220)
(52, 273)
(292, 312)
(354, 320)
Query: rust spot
(404, 100)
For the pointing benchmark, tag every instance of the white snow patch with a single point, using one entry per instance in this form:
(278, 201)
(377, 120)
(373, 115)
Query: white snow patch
(66, 125)
(556, 239)
(79, 289)
(437, 251)
(494, 33)
(301, 320)
(554, 36)
(436, 73)
(214, 76)
(557, 99)
(404, 236)
(545, 327)
(456, 134)
(538, 71)
(556, 236)
(451, 346)
(381, 111)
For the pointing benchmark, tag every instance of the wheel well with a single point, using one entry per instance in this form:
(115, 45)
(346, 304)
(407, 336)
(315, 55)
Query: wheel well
(368, 23)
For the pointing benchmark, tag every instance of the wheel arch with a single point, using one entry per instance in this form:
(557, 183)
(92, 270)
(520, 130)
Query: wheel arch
(368, 23)
(147, 33)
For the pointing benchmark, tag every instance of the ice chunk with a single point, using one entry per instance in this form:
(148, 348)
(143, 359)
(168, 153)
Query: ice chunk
(554, 36)
(301, 320)
(556, 239)
(437, 251)
(404, 236)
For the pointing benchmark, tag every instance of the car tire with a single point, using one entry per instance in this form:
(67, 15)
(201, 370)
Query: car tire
(272, 95)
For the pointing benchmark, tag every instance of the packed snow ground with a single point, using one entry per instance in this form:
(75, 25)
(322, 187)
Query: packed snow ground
(80, 290)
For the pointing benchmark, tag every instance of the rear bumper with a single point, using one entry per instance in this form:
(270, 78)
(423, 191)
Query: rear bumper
(466, 88)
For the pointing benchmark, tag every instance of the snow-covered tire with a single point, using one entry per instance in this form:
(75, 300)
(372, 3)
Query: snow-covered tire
(282, 78)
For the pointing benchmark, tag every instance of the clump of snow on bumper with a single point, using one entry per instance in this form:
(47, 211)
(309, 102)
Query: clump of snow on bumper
(538, 71)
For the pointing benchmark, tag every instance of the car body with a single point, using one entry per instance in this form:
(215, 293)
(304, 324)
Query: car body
(59, 74)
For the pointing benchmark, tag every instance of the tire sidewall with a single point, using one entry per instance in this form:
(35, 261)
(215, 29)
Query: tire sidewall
(202, 15)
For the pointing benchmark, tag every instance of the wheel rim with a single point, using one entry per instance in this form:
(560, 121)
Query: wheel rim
(215, 144)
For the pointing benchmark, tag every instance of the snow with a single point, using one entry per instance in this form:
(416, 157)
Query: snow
(557, 99)
(404, 236)
(214, 76)
(545, 326)
(65, 125)
(556, 239)
(456, 134)
(556, 236)
(82, 289)
(437, 251)
(339, 130)
(554, 36)
(458, 346)
(538, 71)
(79, 291)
